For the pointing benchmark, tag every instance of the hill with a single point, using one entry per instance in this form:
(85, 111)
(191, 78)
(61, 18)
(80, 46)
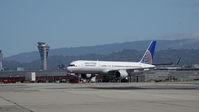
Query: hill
(106, 49)
(189, 57)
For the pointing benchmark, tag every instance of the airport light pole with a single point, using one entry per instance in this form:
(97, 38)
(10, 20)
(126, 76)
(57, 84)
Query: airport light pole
(1, 60)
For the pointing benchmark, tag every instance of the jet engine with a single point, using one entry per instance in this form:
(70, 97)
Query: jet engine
(86, 76)
(120, 74)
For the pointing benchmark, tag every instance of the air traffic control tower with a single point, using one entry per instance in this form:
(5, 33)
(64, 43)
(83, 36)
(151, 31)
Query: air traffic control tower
(1, 60)
(43, 50)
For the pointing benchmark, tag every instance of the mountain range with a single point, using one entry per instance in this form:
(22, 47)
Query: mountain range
(107, 49)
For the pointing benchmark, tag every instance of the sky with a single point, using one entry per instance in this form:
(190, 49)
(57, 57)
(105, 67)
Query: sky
(74, 23)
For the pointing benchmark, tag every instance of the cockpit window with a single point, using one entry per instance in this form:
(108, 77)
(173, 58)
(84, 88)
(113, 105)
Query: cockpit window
(71, 65)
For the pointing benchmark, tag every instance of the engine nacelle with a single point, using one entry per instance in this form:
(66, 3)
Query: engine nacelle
(86, 76)
(121, 74)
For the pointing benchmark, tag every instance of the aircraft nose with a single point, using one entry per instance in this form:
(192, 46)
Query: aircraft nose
(69, 69)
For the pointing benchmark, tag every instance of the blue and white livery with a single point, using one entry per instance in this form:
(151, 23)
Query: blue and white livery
(148, 56)
(119, 69)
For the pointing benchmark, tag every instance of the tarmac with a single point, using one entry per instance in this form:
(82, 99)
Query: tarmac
(100, 97)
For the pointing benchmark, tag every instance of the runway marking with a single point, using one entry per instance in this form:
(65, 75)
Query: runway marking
(22, 107)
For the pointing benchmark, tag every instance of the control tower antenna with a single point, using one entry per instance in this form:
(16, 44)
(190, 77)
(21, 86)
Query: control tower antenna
(43, 51)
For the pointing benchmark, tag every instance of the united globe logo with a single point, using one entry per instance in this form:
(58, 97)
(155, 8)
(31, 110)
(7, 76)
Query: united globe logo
(148, 57)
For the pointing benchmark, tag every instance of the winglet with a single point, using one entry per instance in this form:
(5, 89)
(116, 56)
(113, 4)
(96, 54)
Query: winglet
(149, 53)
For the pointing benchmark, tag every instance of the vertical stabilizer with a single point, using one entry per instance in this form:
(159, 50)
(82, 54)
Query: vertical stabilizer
(149, 53)
(178, 61)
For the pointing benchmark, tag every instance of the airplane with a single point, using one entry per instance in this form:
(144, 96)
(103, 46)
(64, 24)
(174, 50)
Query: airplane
(119, 69)
(169, 63)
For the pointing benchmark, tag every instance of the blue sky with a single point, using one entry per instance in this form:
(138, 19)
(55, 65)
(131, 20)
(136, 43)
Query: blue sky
(71, 23)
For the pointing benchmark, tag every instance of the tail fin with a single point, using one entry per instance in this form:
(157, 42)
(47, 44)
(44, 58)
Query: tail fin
(178, 61)
(149, 53)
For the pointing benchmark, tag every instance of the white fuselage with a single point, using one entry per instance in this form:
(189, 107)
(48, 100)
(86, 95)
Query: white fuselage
(103, 67)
